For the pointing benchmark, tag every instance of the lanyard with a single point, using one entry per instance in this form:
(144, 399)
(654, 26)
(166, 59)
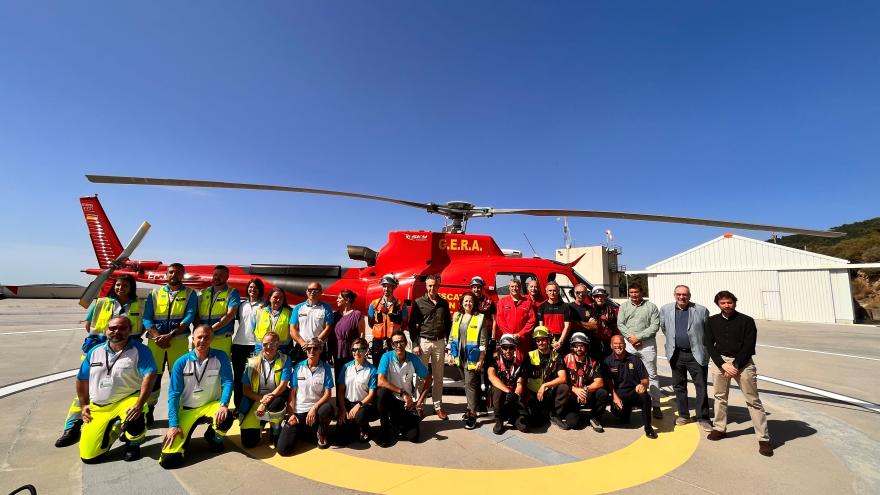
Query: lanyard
(273, 321)
(511, 371)
(204, 370)
(171, 296)
(269, 374)
(107, 364)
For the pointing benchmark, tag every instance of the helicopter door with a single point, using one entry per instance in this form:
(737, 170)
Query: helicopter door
(504, 278)
(566, 286)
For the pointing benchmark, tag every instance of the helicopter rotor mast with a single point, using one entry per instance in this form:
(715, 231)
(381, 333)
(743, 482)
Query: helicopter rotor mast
(459, 212)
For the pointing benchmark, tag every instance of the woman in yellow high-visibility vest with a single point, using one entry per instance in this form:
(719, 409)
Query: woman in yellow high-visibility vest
(467, 350)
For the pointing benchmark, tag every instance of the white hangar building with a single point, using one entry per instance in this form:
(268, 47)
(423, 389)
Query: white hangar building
(771, 282)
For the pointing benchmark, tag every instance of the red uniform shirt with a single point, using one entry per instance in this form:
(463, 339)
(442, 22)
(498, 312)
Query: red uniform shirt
(515, 317)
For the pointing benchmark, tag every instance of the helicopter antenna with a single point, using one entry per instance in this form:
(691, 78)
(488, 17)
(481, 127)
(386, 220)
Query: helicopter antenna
(530, 245)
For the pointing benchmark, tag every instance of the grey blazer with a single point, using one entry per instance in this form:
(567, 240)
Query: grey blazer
(698, 317)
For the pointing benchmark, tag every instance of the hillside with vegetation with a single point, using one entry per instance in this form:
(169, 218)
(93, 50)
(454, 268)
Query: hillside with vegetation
(861, 245)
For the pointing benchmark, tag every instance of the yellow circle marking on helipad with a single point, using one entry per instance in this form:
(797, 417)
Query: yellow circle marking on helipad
(606, 473)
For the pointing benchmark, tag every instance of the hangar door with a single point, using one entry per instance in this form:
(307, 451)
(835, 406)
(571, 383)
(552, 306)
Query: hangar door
(806, 296)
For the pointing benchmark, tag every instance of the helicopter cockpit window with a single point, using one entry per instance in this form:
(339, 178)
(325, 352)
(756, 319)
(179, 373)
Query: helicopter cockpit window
(566, 286)
(503, 279)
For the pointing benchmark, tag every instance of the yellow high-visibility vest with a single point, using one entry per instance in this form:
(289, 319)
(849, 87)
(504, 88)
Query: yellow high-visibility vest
(471, 343)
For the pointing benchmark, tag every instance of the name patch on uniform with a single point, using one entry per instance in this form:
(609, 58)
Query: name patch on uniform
(96, 364)
(631, 366)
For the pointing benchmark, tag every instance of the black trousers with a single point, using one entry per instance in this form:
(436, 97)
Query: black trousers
(553, 404)
(507, 410)
(348, 430)
(239, 357)
(596, 402)
(393, 413)
(599, 349)
(291, 434)
(631, 399)
(378, 348)
(683, 363)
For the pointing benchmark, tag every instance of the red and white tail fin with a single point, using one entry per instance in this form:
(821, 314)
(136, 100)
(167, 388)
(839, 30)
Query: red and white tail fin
(104, 239)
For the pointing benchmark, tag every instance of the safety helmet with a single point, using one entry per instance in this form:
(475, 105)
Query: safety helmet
(600, 290)
(507, 339)
(389, 280)
(541, 332)
(580, 338)
(478, 281)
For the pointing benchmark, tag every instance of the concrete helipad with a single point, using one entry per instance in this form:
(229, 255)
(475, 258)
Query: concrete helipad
(821, 390)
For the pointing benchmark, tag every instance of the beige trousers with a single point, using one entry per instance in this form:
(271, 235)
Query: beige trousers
(748, 384)
(434, 357)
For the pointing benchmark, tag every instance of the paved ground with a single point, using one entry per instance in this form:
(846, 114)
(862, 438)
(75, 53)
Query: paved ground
(822, 444)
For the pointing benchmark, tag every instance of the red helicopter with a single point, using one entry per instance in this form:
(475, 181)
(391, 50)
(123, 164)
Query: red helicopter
(409, 255)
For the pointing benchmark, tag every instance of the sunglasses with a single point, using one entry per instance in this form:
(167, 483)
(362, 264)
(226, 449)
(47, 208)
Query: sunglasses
(579, 292)
(508, 347)
(270, 344)
(398, 343)
(313, 290)
(358, 349)
(313, 349)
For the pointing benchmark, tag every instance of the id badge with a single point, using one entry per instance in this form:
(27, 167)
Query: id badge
(197, 393)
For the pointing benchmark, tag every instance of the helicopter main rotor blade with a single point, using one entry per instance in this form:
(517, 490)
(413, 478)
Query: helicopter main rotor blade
(150, 181)
(94, 288)
(667, 219)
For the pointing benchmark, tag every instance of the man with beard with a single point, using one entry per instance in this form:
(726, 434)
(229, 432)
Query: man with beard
(168, 313)
(585, 384)
(506, 374)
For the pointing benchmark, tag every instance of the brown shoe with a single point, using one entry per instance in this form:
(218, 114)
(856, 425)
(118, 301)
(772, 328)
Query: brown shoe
(765, 449)
(716, 435)
(442, 414)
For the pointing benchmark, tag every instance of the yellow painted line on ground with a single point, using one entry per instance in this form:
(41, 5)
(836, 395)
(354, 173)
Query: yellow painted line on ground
(606, 473)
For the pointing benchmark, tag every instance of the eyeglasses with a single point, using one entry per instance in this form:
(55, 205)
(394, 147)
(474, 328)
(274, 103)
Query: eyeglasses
(398, 343)
(313, 290)
(358, 349)
(270, 344)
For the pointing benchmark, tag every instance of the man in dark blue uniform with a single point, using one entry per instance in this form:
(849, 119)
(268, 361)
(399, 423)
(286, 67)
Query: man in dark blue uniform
(629, 384)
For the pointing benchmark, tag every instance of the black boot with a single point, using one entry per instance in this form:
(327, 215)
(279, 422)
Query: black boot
(70, 436)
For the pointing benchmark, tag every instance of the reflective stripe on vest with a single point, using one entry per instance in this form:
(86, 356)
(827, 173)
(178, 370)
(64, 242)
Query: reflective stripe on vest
(282, 325)
(164, 308)
(534, 383)
(256, 365)
(211, 311)
(471, 343)
(104, 311)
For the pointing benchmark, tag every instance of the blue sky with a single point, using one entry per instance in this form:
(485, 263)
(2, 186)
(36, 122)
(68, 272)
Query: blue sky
(762, 112)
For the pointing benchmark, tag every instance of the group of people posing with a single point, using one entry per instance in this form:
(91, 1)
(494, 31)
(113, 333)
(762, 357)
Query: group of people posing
(274, 368)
